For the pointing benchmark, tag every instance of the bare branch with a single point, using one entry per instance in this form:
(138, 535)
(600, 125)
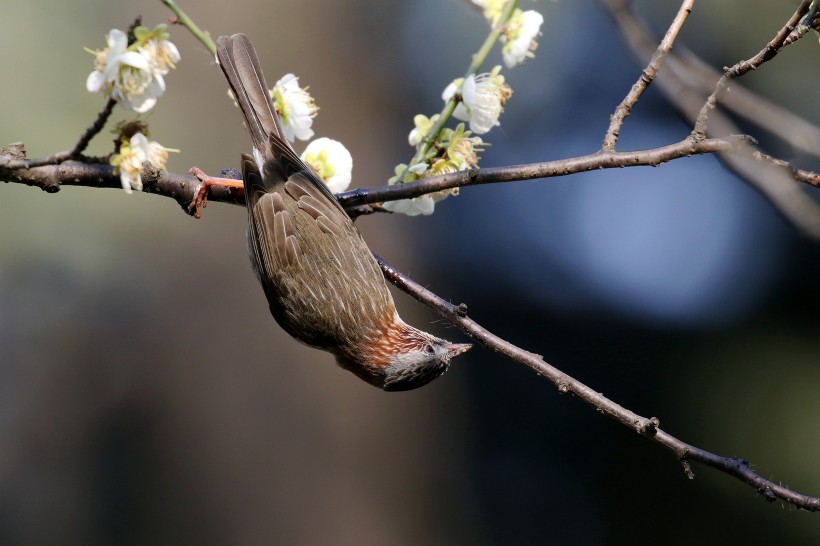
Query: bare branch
(547, 169)
(742, 67)
(9, 162)
(648, 427)
(787, 126)
(182, 188)
(648, 74)
(685, 92)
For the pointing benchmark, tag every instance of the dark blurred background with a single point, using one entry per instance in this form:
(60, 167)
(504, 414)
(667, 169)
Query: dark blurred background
(147, 396)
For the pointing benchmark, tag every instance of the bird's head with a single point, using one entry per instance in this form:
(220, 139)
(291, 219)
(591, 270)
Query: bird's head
(403, 358)
(419, 359)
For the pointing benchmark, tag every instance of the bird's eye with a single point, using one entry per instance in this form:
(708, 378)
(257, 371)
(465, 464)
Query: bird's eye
(429, 349)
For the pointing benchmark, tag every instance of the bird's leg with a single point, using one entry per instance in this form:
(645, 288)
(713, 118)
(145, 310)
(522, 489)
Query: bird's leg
(200, 199)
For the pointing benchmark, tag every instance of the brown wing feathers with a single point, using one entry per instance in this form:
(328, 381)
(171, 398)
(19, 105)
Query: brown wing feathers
(301, 240)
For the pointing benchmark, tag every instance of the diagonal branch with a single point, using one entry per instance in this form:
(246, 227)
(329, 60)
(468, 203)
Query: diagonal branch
(742, 67)
(648, 427)
(12, 162)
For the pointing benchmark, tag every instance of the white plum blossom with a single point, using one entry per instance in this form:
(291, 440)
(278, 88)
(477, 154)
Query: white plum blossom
(124, 75)
(162, 55)
(130, 161)
(295, 106)
(331, 161)
(462, 153)
(482, 99)
(130, 77)
(425, 205)
(132, 157)
(520, 35)
(461, 112)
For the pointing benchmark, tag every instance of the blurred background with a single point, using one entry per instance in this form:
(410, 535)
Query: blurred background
(147, 396)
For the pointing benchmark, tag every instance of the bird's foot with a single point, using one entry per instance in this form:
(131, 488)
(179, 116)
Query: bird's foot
(200, 199)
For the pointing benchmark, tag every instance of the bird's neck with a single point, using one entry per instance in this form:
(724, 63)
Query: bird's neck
(376, 351)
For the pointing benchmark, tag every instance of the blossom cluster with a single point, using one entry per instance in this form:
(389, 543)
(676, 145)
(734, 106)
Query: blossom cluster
(133, 75)
(453, 150)
(519, 33)
(327, 157)
(135, 151)
(477, 99)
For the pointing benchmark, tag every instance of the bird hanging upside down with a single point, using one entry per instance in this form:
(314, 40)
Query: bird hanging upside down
(322, 282)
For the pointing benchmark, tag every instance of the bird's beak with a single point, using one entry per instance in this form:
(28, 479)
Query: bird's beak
(456, 349)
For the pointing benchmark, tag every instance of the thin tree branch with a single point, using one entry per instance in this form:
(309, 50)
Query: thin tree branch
(9, 162)
(648, 427)
(792, 129)
(546, 169)
(182, 18)
(742, 67)
(809, 177)
(647, 75)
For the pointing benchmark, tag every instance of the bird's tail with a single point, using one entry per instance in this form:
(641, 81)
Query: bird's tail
(237, 58)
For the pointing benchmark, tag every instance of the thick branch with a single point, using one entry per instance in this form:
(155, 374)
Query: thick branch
(648, 427)
(51, 178)
(182, 188)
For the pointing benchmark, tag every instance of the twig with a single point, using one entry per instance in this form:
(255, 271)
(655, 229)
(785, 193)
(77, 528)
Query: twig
(809, 177)
(181, 188)
(183, 19)
(794, 130)
(648, 74)
(648, 427)
(742, 67)
(9, 162)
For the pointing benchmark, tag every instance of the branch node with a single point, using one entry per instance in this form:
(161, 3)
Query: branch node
(17, 150)
(461, 310)
(563, 387)
(767, 493)
(687, 468)
(649, 426)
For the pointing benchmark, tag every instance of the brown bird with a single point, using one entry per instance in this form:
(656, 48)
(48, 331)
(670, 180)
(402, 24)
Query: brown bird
(323, 284)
